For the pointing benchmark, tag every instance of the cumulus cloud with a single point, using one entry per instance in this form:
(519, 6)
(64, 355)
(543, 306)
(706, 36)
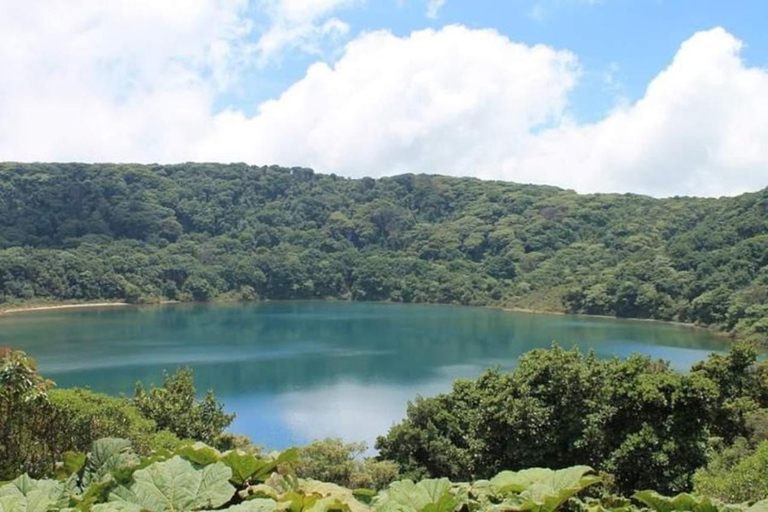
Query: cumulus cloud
(700, 128)
(471, 102)
(137, 80)
(453, 101)
(113, 81)
(303, 24)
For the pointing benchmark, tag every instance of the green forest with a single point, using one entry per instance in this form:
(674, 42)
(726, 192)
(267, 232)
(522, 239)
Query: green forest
(200, 232)
(564, 431)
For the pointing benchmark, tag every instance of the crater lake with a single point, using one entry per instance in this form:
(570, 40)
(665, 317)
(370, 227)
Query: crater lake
(297, 371)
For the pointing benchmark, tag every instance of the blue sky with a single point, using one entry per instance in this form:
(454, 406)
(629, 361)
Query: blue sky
(629, 40)
(658, 97)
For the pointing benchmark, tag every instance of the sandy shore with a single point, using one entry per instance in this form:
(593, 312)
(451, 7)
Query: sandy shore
(716, 332)
(32, 307)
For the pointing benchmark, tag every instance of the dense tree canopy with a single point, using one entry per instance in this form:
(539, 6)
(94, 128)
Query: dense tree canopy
(201, 231)
(645, 424)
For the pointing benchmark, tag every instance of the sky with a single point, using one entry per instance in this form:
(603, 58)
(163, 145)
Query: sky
(658, 97)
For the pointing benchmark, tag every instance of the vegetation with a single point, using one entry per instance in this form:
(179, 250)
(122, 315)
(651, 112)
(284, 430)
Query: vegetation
(38, 424)
(74, 232)
(640, 425)
(332, 460)
(112, 477)
(645, 424)
(174, 407)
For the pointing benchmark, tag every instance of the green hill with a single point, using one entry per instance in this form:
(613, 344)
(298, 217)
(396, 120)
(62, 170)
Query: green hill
(144, 233)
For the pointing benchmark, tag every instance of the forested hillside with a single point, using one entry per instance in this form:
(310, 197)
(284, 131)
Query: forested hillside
(202, 231)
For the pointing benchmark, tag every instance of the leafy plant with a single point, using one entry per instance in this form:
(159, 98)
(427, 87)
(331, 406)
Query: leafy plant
(175, 485)
(174, 407)
(426, 496)
(27, 495)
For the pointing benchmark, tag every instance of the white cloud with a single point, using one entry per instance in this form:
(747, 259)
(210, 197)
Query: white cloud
(433, 8)
(302, 24)
(700, 129)
(453, 101)
(130, 80)
(113, 81)
(466, 102)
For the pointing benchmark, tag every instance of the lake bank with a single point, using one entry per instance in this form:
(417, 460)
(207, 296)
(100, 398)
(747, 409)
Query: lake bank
(54, 306)
(32, 307)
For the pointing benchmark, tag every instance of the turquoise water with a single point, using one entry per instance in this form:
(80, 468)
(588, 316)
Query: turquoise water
(295, 371)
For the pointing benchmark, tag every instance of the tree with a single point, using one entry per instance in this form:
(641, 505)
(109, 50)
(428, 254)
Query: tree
(24, 411)
(174, 407)
(639, 420)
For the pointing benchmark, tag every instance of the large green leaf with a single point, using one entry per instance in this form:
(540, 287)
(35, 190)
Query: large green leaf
(760, 506)
(535, 489)
(71, 463)
(109, 456)
(116, 506)
(250, 468)
(426, 496)
(682, 502)
(552, 490)
(243, 465)
(175, 485)
(518, 481)
(25, 494)
(199, 453)
(258, 505)
(11, 503)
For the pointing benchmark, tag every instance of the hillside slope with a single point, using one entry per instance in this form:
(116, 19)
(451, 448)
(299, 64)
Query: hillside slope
(202, 231)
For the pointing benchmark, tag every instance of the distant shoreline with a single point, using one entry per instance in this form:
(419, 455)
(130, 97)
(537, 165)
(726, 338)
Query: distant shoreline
(32, 307)
(716, 332)
(52, 307)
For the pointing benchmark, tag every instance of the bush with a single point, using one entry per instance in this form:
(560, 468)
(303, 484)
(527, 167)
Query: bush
(87, 416)
(174, 407)
(25, 417)
(637, 419)
(736, 474)
(332, 460)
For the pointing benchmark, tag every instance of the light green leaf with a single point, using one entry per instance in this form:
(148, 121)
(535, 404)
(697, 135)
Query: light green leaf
(12, 503)
(109, 456)
(72, 462)
(25, 494)
(426, 496)
(760, 506)
(257, 505)
(681, 502)
(175, 485)
(518, 481)
(199, 453)
(116, 506)
(243, 465)
(551, 491)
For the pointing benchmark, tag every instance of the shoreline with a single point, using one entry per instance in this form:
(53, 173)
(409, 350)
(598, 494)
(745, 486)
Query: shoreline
(37, 307)
(689, 325)
(31, 308)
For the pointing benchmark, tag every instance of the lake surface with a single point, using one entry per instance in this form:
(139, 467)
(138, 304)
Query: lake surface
(295, 371)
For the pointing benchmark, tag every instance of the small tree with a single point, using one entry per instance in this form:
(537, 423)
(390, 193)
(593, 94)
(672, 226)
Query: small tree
(175, 407)
(23, 415)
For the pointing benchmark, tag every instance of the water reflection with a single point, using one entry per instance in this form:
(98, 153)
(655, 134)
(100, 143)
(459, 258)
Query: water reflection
(298, 370)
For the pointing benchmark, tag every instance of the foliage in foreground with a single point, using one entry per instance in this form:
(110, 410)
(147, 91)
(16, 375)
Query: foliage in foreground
(199, 232)
(647, 425)
(547, 397)
(112, 477)
(737, 473)
(38, 424)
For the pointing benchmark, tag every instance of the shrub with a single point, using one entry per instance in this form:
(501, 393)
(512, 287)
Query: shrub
(174, 407)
